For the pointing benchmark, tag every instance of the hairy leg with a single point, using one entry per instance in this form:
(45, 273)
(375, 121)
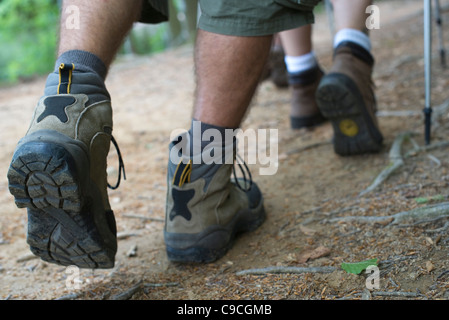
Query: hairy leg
(102, 26)
(228, 70)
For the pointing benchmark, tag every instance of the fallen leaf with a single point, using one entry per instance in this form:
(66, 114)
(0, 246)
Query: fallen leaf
(358, 267)
(312, 254)
(429, 266)
(421, 200)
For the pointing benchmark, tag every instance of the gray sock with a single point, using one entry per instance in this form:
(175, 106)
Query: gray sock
(87, 78)
(202, 170)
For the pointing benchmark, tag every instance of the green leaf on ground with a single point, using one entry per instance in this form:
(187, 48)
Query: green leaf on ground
(422, 200)
(358, 267)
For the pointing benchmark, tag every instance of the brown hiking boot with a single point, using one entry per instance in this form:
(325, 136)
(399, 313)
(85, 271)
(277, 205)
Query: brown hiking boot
(304, 112)
(346, 97)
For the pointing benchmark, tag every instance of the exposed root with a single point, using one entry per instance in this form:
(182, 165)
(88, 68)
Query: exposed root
(396, 161)
(428, 212)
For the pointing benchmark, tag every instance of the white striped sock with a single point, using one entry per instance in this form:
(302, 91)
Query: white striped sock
(355, 36)
(297, 64)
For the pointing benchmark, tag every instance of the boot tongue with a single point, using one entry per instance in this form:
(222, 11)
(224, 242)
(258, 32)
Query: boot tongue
(188, 165)
(200, 153)
(87, 83)
(78, 72)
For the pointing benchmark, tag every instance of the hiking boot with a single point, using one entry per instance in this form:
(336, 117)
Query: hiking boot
(58, 172)
(346, 97)
(304, 109)
(204, 214)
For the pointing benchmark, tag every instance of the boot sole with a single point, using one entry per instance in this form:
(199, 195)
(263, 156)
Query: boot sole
(67, 224)
(340, 100)
(214, 242)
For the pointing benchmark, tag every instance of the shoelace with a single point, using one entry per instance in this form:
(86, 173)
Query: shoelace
(121, 165)
(242, 170)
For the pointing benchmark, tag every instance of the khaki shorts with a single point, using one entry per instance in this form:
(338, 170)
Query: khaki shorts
(241, 17)
(254, 17)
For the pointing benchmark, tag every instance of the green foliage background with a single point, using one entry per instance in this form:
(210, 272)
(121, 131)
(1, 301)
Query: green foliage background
(29, 35)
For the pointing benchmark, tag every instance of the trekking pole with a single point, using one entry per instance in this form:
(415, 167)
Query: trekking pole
(427, 68)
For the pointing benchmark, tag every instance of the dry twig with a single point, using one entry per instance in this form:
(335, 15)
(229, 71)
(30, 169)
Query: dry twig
(136, 216)
(127, 234)
(308, 147)
(443, 228)
(395, 294)
(159, 285)
(281, 269)
(26, 257)
(71, 296)
(126, 295)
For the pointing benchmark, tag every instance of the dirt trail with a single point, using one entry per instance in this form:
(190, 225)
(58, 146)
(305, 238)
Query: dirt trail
(152, 96)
